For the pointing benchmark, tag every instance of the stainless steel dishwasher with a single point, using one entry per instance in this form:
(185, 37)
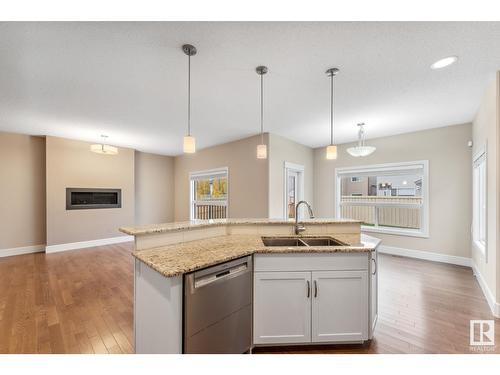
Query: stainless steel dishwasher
(218, 308)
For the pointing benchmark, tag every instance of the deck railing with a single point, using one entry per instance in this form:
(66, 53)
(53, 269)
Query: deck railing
(204, 210)
(401, 212)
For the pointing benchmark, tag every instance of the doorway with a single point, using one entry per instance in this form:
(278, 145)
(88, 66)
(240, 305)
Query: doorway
(293, 188)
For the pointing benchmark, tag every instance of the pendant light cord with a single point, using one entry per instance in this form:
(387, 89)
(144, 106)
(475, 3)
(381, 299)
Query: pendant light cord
(331, 109)
(189, 94)
(262, 109)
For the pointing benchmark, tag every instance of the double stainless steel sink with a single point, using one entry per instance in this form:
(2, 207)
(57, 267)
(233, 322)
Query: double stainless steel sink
(302, 241)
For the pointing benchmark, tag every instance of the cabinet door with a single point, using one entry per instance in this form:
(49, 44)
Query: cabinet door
(373, 292)
(282, 307)
(339, 306)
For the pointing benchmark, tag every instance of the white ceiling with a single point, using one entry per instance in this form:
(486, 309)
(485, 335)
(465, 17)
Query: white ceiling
(128, 80)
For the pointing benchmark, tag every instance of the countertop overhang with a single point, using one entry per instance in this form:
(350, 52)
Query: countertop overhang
(196, 224)
(178, 259)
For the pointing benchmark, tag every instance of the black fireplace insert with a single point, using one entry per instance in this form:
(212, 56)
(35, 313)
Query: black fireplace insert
(86, 199)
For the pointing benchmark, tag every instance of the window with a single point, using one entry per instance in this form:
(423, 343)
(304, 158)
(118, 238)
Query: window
(209, 194)
(479, 191)
(388, 198)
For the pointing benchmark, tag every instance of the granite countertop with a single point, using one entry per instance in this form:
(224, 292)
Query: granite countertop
(177, 259)
(194, 224)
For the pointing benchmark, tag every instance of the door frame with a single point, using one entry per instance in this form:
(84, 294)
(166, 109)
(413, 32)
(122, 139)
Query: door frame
(300, 170)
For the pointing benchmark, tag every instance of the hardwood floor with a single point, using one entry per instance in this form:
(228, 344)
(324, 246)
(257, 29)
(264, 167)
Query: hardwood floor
(82, 302)
(70, 302)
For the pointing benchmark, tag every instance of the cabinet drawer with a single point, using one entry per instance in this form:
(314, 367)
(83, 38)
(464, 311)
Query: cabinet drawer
(311, 262)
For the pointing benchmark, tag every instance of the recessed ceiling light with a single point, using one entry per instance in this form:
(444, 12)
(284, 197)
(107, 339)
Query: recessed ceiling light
(444, 62)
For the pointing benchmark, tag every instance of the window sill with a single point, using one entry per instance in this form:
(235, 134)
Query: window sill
(396, 231)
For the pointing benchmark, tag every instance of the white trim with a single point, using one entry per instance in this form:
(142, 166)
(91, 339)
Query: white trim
(480, 153)
(395, 231)
(494, 306)
(300, 169)
(22, 250)
(85, 244)
(426, 255)
(407, 165)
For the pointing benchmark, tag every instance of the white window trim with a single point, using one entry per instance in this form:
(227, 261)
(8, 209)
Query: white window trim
(288, 166)
(222, 170)
(481, 249)
(420, 164)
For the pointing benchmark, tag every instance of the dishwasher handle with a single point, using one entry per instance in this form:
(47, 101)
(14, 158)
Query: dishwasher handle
(218, 273)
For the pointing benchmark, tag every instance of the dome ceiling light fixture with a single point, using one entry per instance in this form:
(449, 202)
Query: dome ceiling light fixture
(103, 148)
(331, 150)
(443, 63)
(189, 145)
(262, 147)
(361, 149)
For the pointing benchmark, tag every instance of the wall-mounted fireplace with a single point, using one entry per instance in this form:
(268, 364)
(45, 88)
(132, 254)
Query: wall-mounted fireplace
(85, 199)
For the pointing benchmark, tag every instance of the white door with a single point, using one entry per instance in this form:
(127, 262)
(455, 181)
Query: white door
(293, 188)
(292, 191)
(282, 307)
(339, 306)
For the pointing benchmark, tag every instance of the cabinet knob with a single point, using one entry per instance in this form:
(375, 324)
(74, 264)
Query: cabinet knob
(308, 289)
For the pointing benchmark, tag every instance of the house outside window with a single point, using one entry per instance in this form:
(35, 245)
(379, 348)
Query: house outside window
(388, 198)
(209, 194)
(479, 201)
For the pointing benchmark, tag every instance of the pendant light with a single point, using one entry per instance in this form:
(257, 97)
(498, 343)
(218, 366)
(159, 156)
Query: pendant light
(103, 148)
(361, 149)
(331, 150)
(189, 145)
(262, 148)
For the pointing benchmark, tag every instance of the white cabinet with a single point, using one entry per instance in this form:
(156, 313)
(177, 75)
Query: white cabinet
(296, 301)
(339, 306)
(373, 292)
(282, 312)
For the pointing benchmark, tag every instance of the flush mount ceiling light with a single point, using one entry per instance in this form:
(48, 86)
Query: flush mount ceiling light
(262, 148)
(331, 150)
(361, 149)
(189, 145)
(447, 61)
(103, 148)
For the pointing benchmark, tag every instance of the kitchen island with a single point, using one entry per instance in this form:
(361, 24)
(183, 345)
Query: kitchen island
(306, 293)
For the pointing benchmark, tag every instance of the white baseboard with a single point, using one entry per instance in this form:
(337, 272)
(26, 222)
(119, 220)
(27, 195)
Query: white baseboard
(85, 244)
(494, 306)
(21, 250)
(426, 255)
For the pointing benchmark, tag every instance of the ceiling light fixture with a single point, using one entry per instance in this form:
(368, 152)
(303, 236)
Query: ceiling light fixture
(103, 148)
(189, 145)
(331, 150)
(361, 149)
(447, 61)
(262, 148)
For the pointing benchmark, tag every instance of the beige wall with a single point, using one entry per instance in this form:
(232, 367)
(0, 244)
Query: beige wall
(71, 164)
(450, 184)
(22, 188)
(283, 150)
(248, 177)
(154, 188)
(486, 132)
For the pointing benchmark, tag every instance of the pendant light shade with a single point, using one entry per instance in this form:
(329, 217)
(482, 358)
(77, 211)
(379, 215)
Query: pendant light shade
(361, 149)
(103, 148)
(189, 145)
(331, 150)
(262, 148)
